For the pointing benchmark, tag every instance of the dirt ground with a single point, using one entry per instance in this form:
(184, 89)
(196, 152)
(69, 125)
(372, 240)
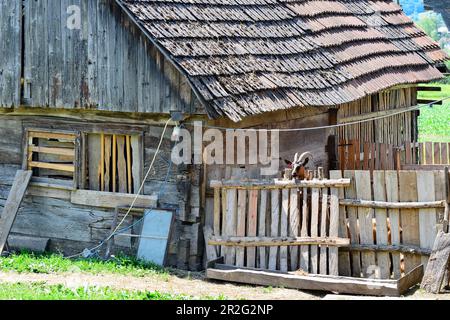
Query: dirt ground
(192, 284)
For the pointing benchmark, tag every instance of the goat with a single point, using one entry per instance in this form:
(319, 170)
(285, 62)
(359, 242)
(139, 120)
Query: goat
(299, 166)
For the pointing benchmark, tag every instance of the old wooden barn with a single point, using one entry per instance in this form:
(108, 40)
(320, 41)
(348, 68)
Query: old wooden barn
(86, 87)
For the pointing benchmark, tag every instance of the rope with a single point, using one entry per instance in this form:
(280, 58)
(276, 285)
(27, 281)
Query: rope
(334, 125)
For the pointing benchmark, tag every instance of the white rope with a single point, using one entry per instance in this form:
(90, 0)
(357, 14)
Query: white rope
(334, 125)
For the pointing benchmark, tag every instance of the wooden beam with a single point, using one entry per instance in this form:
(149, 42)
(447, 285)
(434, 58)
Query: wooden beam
(414, 167)
(429, 88)
(360, 286)
(52, 135)
(52, 166)
(370, 115)
(388, 248)
(392, 205)
(277, 241)
(428, 101)
(15, 197)
(111, 200)
(438, 264)
(57, 151)
(278, 184)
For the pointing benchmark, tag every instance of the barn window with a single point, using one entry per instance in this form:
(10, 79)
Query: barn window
(113, 162)
(52, 155)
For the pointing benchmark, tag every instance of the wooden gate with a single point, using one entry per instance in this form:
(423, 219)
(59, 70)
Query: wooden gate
(281, 225)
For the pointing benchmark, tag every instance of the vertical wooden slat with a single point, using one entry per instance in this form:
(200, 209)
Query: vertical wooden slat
(138, 162)
(356, 147)
(102, 162)
(262, 228)
(240, 225)
(409, 217)
(382, 155)
(408, 157)
(394, 219)
(114, 163)
(365, 216)
(379, 193)
(252, 225)
(107, 147)
(315, 194)
(224, 218)
(428, 153)
(323, 232)
(427, 217)
(444, 155)
(275, 215)
(333, 266)
(230, 226)
(129, 165)
(304, 250)
(217, 215)
(121, 164)
(344, 257)
(294, 225)
(421, 154)
(284, 228)
(350, 193)
(366, 156)
(351, 156)
(437, 153)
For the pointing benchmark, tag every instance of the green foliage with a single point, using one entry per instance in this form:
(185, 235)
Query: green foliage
(430, 22)
(52, 263)
(434, 123)
(41, 291)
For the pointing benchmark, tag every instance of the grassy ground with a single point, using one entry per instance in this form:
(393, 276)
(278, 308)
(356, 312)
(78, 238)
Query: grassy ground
(53, 263)
(41, 291)
(434, 123)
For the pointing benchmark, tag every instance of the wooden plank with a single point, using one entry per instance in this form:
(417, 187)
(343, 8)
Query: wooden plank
(275, 219)
(217, 214)
(392, 205)
(278, 184)
(408, 154)
(394, 218)
(294, 227)
(444, 154)
(55, 151)
(211, 251)
(379, 194)
(315, 193)
(52, 166)
(138, 162)
(427, 217)
(11, 207)
(262, 228)
(366, 156)
(121, 164)
(240, 225)
(428, 153)
(437, 153)
(409, 217)
(284, 228)
(93, 161)
(111, 200)
(114, 164)
(107, 178)
(52, 135)
(252, 223)
(372, 287)
(33, 244)
(284, 241)
(129, 165)
(230, 223)
(350, 193)
(333, 266)
(323, 261)
(102, 162)
(304, 232)
(365, 216)
(438, 264)
(344, 257)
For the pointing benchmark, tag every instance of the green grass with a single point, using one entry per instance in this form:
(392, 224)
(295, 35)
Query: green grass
(434, 123)
(53, 263)
(41, 291)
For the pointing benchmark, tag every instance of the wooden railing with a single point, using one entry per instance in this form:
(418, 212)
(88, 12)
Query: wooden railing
(356, 155)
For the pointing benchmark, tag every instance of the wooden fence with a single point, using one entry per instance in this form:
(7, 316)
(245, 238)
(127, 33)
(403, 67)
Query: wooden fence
(356, 155)
(357, 224)
(278, 226)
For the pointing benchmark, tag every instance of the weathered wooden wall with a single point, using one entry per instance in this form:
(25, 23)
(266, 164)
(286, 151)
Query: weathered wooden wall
(73, 227)
(107, 64)
(10, 46)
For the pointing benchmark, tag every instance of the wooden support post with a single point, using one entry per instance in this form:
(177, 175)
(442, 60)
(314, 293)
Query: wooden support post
(438, 264)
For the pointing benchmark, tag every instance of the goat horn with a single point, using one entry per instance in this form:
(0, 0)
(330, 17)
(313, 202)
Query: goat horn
(296, 158)
(305, 155)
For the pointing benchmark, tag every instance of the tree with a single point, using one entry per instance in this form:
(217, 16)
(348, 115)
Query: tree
(430, 22)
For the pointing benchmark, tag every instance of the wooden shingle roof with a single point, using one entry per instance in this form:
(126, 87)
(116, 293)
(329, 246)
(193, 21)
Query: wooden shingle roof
(246, 57)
